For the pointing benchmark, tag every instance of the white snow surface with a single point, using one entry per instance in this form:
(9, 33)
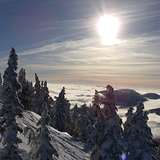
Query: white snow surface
(67, 147)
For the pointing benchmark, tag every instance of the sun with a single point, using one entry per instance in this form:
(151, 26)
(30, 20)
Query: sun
(108, 27)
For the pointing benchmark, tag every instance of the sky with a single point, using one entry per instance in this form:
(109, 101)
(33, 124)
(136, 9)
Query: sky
(58, 40)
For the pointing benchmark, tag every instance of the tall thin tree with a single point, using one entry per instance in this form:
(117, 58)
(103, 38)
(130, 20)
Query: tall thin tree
(61, 119)
(110, 143)
(10, 110)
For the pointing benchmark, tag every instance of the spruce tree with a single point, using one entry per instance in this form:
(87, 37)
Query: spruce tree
(41, 148)
(41, 95)
(61, 119)
(140, 139)
(45, 97)
(74, 113)
(36, 103)
(109, 142)
(0, 79)
(82, 128)
(10, 110)
(0, 86)
(74, 116)
(95, 108)
(26, 93)
(128, 125)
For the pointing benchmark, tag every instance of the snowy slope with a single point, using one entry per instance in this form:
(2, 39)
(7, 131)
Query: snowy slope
(67, 147)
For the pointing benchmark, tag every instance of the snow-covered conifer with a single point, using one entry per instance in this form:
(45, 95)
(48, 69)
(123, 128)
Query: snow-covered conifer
(45, 97)
(74, 113)
(81, 119)
(95, 108)
(41, 148)
(41, 95)
(110, 143)
(22, 76)
(0, 85)
(128, 125)
(26, 93)
(85, 110)
(61, 119)
(82, 129)
(10, 110)
(140, 139)
(74, 116)
(0, 79)
(36, 104)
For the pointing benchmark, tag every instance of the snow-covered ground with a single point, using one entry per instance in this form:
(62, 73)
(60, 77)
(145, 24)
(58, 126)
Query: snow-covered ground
(67, 147)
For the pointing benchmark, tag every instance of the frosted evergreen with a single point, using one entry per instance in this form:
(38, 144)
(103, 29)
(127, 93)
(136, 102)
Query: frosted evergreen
(81, 119)
(36, 104)
(61, 119)
(41, 148)
(26, 93)
(109, 143)
(0, 86)
(10, 110)
(95, 108)
(128, 124)
(74, 113)
(140, 139)
(22, 76)
(45, 97)
(82, 128)
(41, 95)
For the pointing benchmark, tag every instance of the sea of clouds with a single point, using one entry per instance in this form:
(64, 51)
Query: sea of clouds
(83, 94)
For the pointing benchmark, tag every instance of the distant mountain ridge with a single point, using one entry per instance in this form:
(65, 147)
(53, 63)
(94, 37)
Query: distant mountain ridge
(151, 96)
(130, 97)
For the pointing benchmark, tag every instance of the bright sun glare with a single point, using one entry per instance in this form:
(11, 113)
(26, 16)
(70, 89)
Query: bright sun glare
(108, 27)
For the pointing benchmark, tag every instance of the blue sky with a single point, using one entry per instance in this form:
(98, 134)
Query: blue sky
(58, 40)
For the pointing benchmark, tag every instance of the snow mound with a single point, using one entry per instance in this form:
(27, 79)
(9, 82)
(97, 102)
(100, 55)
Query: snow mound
(67, 147)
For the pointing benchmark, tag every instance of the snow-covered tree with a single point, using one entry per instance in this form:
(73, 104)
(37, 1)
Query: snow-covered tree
(41, 95)
(61, 119)
(0, 86)
(82, 128)
(128, 125)
(81, 122)
(140, 139)
(74, 116)
(0, 79)
(41, 148)
(45, 97)
(74, 113)
(22, 76)
(109, 141)
(36, 103)
(95, 108)
(26, 93)
(10, 110)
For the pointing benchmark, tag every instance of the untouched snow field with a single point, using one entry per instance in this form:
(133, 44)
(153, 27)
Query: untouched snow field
(67, 147)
